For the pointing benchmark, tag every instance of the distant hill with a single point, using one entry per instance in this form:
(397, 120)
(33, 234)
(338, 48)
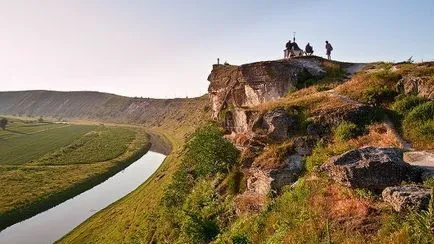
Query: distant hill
(88, 105)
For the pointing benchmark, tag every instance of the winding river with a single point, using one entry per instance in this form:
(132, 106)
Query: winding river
(54, 223)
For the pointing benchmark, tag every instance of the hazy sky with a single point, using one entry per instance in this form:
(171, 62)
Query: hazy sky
(166, 48)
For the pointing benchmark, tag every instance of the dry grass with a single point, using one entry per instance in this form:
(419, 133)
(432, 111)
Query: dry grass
(274, 155)
(378, 135)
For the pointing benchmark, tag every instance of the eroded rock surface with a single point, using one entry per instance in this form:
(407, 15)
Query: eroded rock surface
(423, 86)
(275, 124)
(423, 160)
(407, 197)
(368, 167)
(237, 88)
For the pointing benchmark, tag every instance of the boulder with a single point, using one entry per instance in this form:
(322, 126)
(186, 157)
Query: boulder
(368, 167)
(304, 145)
(288, 174)
(407, 197)
(422, 160)
(276, 123)
(422, 86)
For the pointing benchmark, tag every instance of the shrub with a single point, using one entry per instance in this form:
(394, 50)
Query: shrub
(345, 131)
(240, 239)
(322, 87)
(418, 125)
(209, 152)
(405, 103)
(319, 155)
(178, 189)
(234, 180)
(201, 209)
(378, 94)
(420, 113)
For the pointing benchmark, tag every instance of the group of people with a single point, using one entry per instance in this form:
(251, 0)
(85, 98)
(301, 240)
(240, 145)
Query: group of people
(293, 50)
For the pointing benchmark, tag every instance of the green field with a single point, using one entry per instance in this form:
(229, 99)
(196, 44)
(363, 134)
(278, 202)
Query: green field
(42, 164)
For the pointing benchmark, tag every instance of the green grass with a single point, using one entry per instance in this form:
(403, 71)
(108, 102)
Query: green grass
(24, 147)
(99, 145)
(50, 163)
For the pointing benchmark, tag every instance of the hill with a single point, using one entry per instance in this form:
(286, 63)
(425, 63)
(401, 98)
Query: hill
(299, 125)
(302, 149)
(97, 106)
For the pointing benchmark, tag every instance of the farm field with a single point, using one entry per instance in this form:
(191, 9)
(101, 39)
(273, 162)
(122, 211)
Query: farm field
(43, 164)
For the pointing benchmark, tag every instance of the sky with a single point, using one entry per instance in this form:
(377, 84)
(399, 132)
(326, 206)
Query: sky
(166, 49)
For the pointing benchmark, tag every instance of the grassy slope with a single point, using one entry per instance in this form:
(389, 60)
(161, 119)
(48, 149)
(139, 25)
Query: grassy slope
(133, 213)
(61, 172)
(317, 210)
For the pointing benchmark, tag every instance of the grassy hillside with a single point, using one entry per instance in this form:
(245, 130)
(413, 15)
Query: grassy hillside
(135, 214)
(181, 204)
(96, 106)
(58, 161)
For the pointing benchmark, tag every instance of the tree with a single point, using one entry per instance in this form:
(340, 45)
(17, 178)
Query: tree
(3, 123)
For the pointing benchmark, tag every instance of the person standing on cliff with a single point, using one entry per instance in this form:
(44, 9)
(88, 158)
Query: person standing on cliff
(288, 49)
(329, 50)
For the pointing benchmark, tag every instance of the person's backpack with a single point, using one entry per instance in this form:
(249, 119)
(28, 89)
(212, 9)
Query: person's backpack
(329, 47)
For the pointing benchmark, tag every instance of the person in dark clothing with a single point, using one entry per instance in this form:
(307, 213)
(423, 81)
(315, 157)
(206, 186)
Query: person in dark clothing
(295, 46)
(329, 49)
(288, 49)
(308, 49)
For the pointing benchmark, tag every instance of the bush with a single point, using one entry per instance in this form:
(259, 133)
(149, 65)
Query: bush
(378, 94)
(201, 209)
(240, 239)
(346, 130)
(421, 113)
(234, 180)
(209, 152)
(404, 104)
(418, 125)
(178, 189)
(319, 155)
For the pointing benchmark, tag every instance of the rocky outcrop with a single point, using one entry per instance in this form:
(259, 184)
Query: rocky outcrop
(288, 174)
(263, 181)
(422, 160)
(368, 167)
(237, 88)
(274, 124)
(407, 197)
(423, 86)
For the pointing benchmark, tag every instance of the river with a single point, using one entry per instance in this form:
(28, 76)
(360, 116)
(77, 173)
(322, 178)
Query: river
(54, 223)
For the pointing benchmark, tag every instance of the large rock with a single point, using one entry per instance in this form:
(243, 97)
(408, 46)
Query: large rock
(422, 160)
(288, 174)
(422, 86)
(407, 197)
(368, 167)
(239, 88)
(275, 124)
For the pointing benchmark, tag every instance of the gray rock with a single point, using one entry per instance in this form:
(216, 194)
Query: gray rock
(304, 145)
(288, 174)
(368, 167)
(246, 86)
(276, 123)
(407, 197)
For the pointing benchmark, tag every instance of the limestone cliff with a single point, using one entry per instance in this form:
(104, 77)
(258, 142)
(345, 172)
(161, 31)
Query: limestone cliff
(242, 87)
